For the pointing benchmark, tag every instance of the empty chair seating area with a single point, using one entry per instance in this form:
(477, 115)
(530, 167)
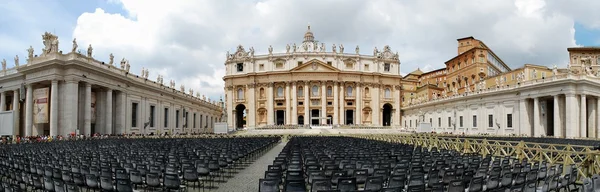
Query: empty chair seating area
(354, 164)
(127, 164)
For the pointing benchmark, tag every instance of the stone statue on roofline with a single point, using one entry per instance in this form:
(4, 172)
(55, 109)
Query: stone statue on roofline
(270, 50)
(294, 47)
(287, 48)
(111, 59)
(333, 48)
(197, 95)
(357, 50)
(375, 51)
(3, 64)
(191, 91)
(74, 49)
(341, 48)
(315, 46)
(127, 66)
(251, 51)
(30, 53)
(89, 51)
(16, 60)
(182, 88)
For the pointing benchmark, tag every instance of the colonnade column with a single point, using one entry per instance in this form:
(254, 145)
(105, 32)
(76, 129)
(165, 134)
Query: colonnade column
(335, 120)
(306, 103)
(15, 109)
(524, 127)
(109, 113)
(288, 104)
(557, 122)
(397, 115)
(294, 106)
(54, 108)
(323, 102)
(358, 101)
(536, 118)
(251, 114)
(583, 117)
(29, 110)
(598, 117)
(2, 101)
(270, 104)
(229, 99)
(570, 116)
(342, 104)
(87, 107)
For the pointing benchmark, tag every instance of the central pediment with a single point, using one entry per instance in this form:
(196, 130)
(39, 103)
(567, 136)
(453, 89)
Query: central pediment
(314, 66)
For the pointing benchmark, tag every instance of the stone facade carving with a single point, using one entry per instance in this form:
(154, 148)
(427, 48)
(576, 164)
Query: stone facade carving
(50, 43)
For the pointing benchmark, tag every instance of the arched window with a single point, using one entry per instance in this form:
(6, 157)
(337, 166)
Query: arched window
(349, 91)
(279, 91)
(315, 90)
(300, 91)
(262, 93)
(388, 93)
(329, 91)
(240, 93)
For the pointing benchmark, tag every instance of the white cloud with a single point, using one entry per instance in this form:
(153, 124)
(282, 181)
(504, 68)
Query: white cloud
(187, 40)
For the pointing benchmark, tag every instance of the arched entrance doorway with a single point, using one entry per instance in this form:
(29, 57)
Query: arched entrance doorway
(387, 114)
(300, 120)
(240, 116)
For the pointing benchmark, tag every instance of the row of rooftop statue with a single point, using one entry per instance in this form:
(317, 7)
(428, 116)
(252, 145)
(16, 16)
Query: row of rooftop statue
(51, 46)
(312, 47)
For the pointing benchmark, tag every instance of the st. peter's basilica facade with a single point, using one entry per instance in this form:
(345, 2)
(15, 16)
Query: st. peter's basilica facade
(313, 84)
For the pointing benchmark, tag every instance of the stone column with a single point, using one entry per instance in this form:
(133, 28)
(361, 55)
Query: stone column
(336, 113)
(251, 114)
(524, 127)
(54, 108)
(270, 104)
(571, 116)
(598, 117)
(16, 111)
(358, 101)
(87, 107)
(3, 101)
(583, 117)
(376, 107)
(288, 105)
(109, 113)
(397, 96)
(557, 121)
(29, 110)
(323, 102)
(122, 108)
(342, 104)
(294, 105)
(230, 108)
(306, 103)
(537, 129)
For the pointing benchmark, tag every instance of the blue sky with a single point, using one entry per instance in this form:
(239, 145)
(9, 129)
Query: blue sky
(186, 40)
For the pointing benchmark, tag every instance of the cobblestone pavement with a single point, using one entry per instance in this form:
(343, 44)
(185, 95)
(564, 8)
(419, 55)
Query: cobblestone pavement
(247, 179)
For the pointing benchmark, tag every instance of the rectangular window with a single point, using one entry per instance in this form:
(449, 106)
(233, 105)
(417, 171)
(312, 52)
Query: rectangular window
(474, 120)
(490, 120)
(460, 120)
(152, 107)
(166, 117)
(449, 121)
(439, 122)
(301, 103)
(194, 120)
(299, 63)
(329, 63)
(509, 120)
(134, 112)
(386, 67)
(176, 118)
(240, 67)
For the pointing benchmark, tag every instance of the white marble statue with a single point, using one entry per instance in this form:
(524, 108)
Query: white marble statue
(74, 45)
(191, 91)
(147, 74)
(287, 48)
(375, 51)
(270, 49)
(3, 64)
(251, 51)
(197, 95)
(322, 47)
(111, 59)
(333, 48)
(127, 66)
(315, 46)
(143, 72)
(89, 51)
(554, 70)
(16, 60)
(294, 47)
(182, 88)
(204, 97)
(305, 47)
(158, 79)
(30, 53)
(357, 50)
(341, 48)
(497, 82)
(55, 45)
(534, 74)
(123, 64)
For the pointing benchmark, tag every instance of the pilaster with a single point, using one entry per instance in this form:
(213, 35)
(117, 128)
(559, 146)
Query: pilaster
(557, 121)
(323, 102)
(2, 101)
(306, 103)
(583, 117)
(342, 104)
(251, 115)
(270, 104)
(87, 107)
(109, 112)
(336, 113)
(54, 108)
(294, 104)
(288, 104)
(359, 102)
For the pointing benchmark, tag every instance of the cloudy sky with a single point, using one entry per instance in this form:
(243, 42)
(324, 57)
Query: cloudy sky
(186, 40)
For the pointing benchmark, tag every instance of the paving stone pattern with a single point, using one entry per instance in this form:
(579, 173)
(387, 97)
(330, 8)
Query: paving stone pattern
(247, 179)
